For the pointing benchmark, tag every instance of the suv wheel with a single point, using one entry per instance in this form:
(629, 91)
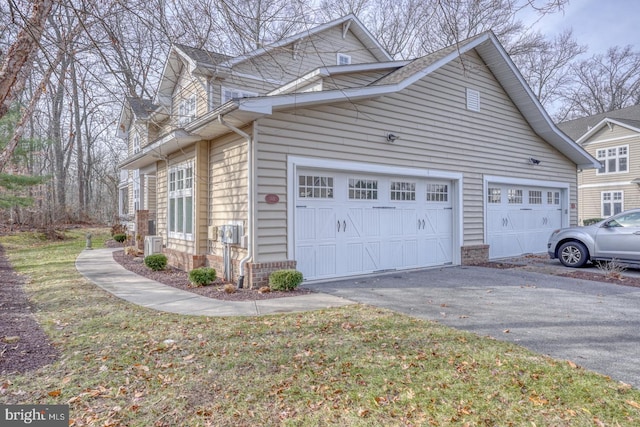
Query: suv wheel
(573, 254)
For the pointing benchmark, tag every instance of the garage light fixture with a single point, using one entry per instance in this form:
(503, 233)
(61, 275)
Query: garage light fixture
(391, 137)
(534, 162)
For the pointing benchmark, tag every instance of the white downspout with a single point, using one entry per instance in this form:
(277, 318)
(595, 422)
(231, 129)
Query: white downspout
(250, 180)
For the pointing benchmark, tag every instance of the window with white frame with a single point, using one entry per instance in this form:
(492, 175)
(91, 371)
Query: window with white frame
(494, 195)
(401, 190)
(535, 197)
(437, 193)
(514, 196)
(614, 159)
(553, 197)
(136, 143)
(612, 203)
(363, 189)
(343, 59)
(187, 110)
(180, 215)
(230, 93)
(315, 187)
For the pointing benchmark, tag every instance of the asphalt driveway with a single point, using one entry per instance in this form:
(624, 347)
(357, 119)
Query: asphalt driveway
(596, 325)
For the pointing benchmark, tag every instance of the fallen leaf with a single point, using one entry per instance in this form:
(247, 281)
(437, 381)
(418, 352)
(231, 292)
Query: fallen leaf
(573, 365)
(54, 393)
(363, 412)
(634, 404)
(506, 331)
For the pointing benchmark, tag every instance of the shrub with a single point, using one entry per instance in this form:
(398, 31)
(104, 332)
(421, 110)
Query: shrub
(156, 262)
(202, 276)
(120, 238)
(285, 280)
(118, 229)
(590, 221)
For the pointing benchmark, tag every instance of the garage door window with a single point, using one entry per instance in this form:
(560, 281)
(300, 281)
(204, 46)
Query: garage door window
(514, 196)
(315, 187)
(363, 189)
(403, 190)
(535, 197)
(553, 197)
(494, 195)
(437, 193)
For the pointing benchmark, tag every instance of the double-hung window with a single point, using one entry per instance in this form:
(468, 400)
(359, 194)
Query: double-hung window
(187, 110)
(180, 215)
(614, 159)
(612, 203)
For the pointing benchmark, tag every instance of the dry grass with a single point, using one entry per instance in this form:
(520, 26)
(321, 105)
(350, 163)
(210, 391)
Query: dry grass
(124, 365)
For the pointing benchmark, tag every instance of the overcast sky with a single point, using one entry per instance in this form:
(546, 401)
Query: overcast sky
(599, 24)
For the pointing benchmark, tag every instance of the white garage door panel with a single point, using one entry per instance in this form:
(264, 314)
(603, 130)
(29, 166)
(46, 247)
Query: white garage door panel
(356, 226)
(521, 218)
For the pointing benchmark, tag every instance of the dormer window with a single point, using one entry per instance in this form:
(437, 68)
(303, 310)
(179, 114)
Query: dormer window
(230, 93)
(187, 110)
(343, 59)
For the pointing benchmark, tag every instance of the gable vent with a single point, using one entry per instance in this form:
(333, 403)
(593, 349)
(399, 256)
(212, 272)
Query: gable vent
(473, 100)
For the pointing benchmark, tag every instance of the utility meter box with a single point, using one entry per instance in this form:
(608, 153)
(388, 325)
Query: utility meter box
(230, 234)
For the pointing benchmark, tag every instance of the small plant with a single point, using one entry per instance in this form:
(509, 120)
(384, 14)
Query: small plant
(120, 238)
(229, 288)
(590, 221)
(202, 276)
(285, 280)
(611, 269)
(118, 228)
(156, 262)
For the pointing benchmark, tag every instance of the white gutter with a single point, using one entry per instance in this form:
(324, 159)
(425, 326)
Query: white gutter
(250, 181)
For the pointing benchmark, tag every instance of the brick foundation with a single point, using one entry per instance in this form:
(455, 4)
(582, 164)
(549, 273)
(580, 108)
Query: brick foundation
(256, 274)
(474, 254)
(184, 261)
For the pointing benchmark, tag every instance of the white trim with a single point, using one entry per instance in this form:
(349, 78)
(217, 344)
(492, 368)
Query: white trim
(606, 184)
(456, 178)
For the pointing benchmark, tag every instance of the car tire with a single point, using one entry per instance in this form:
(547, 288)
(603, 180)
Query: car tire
(573, 254)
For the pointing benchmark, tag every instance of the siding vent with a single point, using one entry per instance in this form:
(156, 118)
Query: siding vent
(473, 100)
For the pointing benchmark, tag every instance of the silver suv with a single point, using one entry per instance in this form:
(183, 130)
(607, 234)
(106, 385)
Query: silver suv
(615, 238)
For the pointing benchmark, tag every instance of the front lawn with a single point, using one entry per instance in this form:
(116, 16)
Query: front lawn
(123, 365)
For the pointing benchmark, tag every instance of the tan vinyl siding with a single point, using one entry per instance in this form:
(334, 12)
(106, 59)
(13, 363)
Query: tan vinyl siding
(200, 196)
(343, 81)
(436, 132)
(592, 184)
(150, 201)
(312, 52)
(228, 185)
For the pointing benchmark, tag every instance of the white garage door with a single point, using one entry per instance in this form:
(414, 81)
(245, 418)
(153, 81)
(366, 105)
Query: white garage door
(352, 223)
(520, 219)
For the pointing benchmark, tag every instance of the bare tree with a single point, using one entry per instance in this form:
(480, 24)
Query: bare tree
(546, 66)
(15, 64)
(604, 83)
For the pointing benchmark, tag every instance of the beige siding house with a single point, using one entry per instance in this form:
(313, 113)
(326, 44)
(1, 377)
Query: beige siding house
(323, 154)
(614, 139)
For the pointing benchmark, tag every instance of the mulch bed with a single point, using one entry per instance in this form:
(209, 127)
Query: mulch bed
(180, 279)
(23, 344)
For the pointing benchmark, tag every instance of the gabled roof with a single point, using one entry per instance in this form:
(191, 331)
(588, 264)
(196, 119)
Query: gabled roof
(135, 109)
(350, 22)
(633, 125)
(493, 54)
(577, 128)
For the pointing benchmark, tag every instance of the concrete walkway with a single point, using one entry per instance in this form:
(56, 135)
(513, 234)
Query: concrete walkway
(99, 267)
